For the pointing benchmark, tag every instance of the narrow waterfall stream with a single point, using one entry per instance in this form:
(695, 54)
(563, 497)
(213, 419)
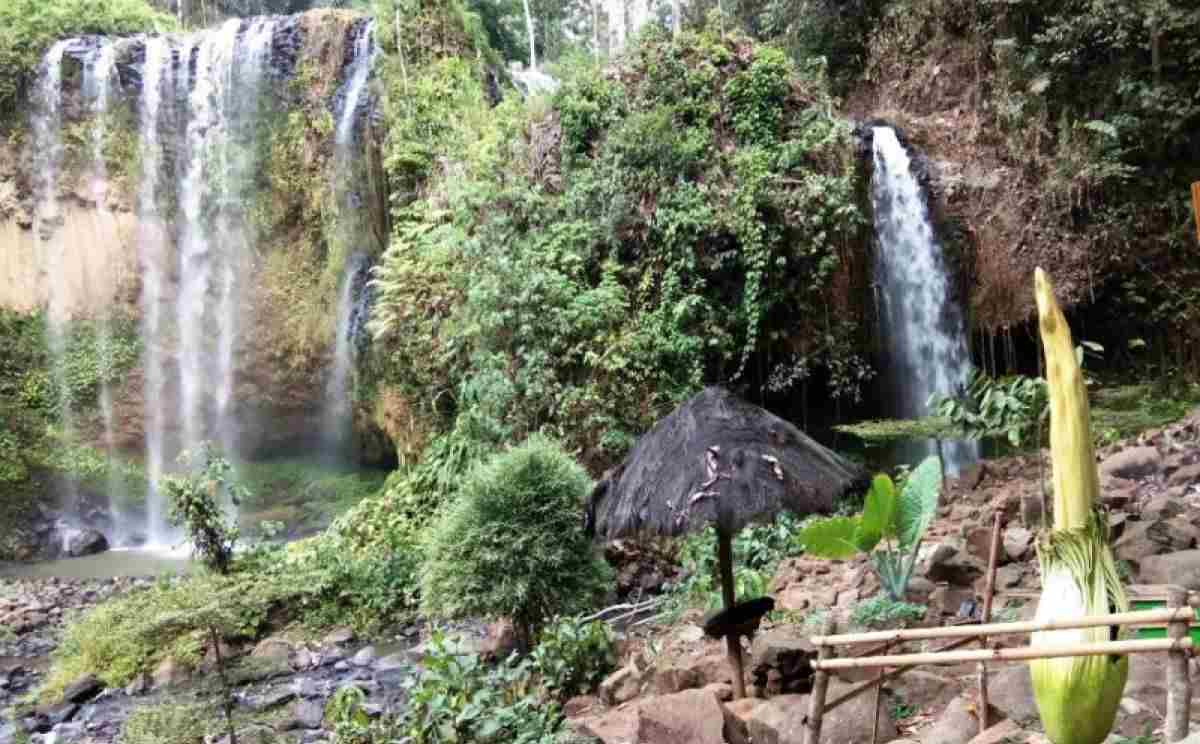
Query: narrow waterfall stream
(922, 324)
(338, 416)
(47, 153)
(97, 86)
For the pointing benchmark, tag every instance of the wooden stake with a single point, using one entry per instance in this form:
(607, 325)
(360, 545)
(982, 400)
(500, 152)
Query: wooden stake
(1113, 648)
(1196, 205)
(984, 618)
(816, 701)
(733, 642)
(1179, 688)
(1139, 617)
(878, 693)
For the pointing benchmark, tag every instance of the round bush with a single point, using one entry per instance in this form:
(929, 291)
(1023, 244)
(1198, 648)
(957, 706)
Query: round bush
(513, 545)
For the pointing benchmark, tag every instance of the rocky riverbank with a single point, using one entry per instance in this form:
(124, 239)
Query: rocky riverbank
(674, 680)
(281, 684)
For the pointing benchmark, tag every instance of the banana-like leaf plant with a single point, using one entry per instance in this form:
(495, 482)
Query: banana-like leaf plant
(1077, 697)
(889, 530)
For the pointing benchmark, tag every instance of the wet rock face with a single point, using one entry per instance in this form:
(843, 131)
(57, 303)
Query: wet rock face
(86, 542)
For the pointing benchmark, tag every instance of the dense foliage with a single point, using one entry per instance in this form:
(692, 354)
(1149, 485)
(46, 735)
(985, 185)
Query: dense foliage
(513, 544)
(29, 27)
(598, 257)
(197, 501)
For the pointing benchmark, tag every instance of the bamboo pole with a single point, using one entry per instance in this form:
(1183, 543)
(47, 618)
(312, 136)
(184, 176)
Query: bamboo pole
(1179, 688)
(878, 694)
(985, 618)
(816, 701)
(1139, 617)
(1110, 648)
(733, 642)
(862, 687)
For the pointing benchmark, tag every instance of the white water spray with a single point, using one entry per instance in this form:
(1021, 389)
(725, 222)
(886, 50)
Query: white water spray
(923, 326)
(152, 255)
(47, 152)
(98, 80)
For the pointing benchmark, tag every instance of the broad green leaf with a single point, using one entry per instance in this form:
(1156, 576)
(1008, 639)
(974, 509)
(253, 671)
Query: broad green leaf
(918, 502)
(878, 518)
(832, 537)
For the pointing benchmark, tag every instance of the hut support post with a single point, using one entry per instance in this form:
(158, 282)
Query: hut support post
(816, 701)
(733, 642)
(1179, 688)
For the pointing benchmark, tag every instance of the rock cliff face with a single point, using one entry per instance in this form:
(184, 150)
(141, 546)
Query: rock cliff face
(265, 181)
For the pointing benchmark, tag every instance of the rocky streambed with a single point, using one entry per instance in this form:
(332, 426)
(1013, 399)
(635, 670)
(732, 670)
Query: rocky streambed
(281, 685)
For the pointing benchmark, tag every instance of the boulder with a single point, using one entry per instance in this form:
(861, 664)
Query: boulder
(689, 716)
(1011, 692)
(621, 686)
(168, 673)
(1162, 506)
(957, 724)
(1134, 462)
(365, 657)
(499, 641)
(83, 689)
(779, 662)
(781, 720)
(924, 689)
(1142, 540)
(1185, 476)
(1181, 568)
(303, 714)
(1017, 542)
(338, 637)
(276, 650)
(1004, 731)
(86, 542)
(693, 716)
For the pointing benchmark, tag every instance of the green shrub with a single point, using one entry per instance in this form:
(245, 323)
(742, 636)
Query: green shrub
(573, 657)
(458, 698)
(195, 501)
(889, 530)
(29, 27)
(513, 544)
(169, 723)
(883, 612)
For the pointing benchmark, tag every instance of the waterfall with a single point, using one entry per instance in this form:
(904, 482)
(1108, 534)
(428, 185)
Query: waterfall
(152, 257)
(97, 86)
(47, 154)
(922, 324)
(338, 414)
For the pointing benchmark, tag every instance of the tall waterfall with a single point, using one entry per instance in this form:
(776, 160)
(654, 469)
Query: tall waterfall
(351, 230)
(47, 154)
(152, 259)
(923, 327)
(205, 108)
(98, 73)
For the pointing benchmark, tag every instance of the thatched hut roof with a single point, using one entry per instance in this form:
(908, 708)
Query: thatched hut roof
(718, 459)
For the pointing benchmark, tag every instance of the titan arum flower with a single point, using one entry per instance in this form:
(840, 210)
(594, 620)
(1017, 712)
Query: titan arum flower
(1076, 697)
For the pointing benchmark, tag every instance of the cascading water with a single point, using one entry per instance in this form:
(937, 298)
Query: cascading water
(200, 113)
(338, 414)
(152, 257)
(923, 327)
(47, 153)
(222, 111)
(98, 73)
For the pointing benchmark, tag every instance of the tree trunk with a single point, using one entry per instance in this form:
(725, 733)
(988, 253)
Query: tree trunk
(676, 17)
(532, 38)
